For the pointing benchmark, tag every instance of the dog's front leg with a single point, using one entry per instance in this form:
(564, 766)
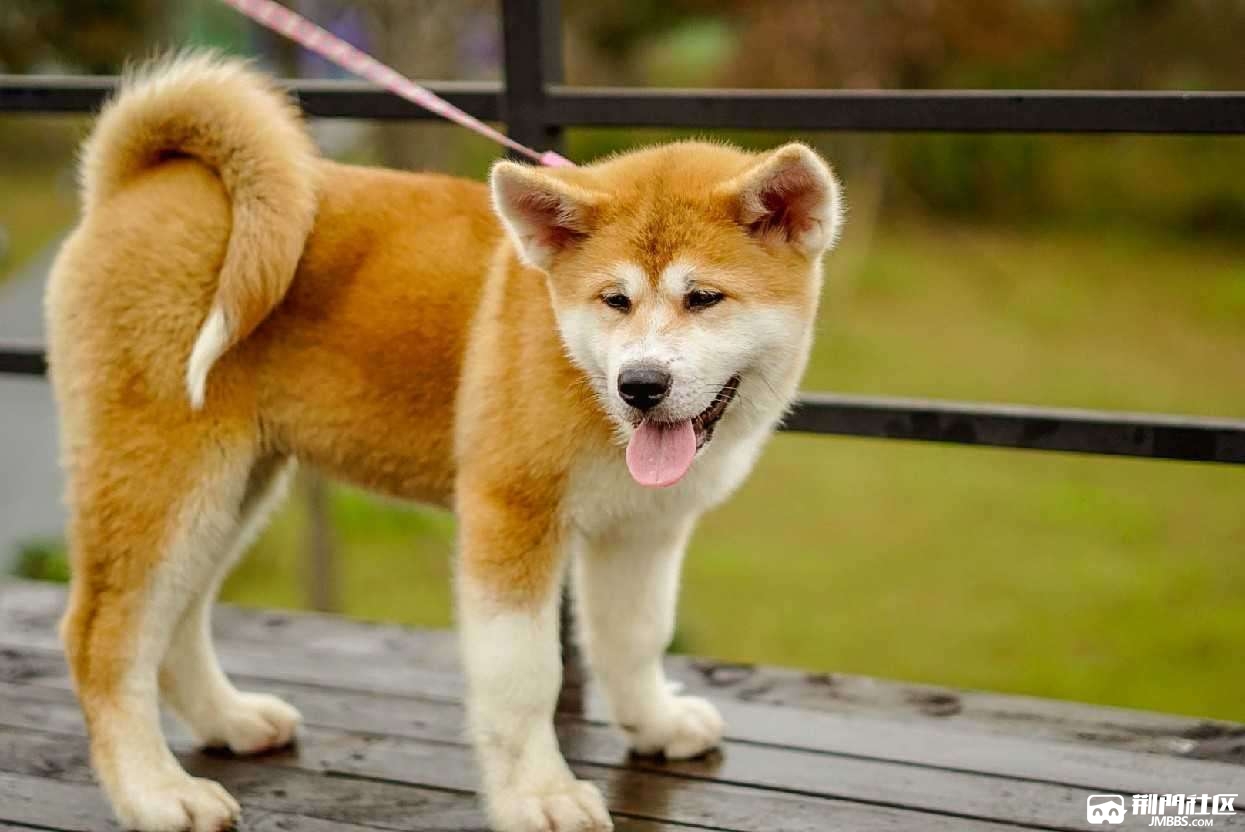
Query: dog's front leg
(627, 587)
(508, 591)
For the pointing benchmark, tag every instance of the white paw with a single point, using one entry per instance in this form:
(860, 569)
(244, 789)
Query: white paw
(177, 804)
(688, 727)
(571, 806)
(253, 723)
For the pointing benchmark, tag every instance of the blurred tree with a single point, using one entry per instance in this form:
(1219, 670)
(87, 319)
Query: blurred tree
(90, 35)
(1105, 44)
(1108, 44)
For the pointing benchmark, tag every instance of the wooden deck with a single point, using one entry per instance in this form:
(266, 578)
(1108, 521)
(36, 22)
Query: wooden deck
(383, 746)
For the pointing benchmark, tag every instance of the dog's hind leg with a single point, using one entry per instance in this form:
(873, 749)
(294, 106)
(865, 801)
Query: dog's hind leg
(191, 678)
(154, 507)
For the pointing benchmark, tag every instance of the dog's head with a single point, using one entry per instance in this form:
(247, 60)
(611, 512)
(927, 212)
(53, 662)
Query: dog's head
(684, 279)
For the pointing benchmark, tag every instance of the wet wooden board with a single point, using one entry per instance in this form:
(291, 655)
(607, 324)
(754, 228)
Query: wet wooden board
(383, 745)
(34, 612)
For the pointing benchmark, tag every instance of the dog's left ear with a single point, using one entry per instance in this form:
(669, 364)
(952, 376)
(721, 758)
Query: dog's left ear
(790, 196)
(544, 215)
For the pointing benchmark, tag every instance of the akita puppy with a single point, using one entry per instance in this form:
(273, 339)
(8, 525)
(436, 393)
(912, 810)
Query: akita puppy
(577, 361)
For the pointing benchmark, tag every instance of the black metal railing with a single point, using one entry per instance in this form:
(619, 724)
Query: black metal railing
(536, 108)
(961, 111)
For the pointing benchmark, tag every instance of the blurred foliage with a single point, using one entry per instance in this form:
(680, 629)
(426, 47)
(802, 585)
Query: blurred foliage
(942, 43)
(1167, 183)
(35, 205)
(42, 560)
(91, 35)
(1177, 184)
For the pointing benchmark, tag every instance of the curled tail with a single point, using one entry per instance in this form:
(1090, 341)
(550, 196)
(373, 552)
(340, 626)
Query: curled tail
(240, 124)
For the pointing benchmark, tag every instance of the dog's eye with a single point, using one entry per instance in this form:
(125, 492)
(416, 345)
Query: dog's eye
(702, 299)
(616, 300)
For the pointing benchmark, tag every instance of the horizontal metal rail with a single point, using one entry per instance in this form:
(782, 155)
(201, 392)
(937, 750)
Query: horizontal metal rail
(980, 111)
(1153, 436)
(961, 111)
(22, 360)
(324, 99)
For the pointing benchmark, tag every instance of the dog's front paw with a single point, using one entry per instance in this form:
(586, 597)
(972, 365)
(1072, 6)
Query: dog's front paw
(571, 806)
(687, 727)
(252, 723)
(177, 804)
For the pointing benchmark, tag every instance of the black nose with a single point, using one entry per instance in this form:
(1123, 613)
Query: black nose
(643, 387)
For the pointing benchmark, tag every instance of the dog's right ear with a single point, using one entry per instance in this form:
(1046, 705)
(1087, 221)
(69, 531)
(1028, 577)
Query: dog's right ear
(544, 215)
(791, 197)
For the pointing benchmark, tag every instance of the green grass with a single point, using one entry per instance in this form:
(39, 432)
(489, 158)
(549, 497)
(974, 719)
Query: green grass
(34, 208)
(1100, 580)
(395, 566)
(38, 197)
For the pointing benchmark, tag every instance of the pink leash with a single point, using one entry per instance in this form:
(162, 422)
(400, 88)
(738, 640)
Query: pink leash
(294, 26)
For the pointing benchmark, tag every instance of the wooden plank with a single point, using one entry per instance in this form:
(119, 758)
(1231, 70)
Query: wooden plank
(52, 773)
(342, 709)
(36, 800)
(940, 745)
(265, 789)
(943, 792)
(32, 610)
(805, 773)
(43, 803)
(289, 662)
(405, 786)
(837, 693)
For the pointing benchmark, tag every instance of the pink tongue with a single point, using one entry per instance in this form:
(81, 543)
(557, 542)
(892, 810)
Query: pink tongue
(660, 454)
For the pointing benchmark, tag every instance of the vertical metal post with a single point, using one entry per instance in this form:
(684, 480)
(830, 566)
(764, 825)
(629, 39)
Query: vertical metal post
(321, 547)
(532, 41)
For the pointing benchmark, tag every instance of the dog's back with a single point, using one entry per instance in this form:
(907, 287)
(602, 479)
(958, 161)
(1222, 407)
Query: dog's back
(225, 278)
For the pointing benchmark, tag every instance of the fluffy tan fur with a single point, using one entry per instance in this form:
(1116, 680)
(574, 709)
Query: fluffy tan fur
(378, 325)
(266, 162)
